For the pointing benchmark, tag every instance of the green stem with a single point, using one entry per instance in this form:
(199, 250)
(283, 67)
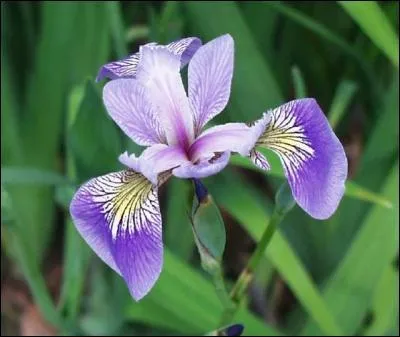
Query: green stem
(220, 288)
(247, 274)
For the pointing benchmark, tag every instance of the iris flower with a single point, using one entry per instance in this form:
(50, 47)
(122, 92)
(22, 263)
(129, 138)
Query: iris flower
(118, 214)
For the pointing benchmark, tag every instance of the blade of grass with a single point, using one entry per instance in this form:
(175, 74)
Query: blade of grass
(326, 34)
(64, 53)
(24, 175)
(117, 28)
(11, 152)
(377, 159)
(372, 20)
(385, 303)
(298, 82)
(341, 101)
(76, 252)
(373, 248)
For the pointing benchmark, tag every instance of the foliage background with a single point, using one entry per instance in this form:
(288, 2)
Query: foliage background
(332, 277)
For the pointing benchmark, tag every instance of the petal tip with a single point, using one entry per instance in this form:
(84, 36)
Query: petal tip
(143, 287)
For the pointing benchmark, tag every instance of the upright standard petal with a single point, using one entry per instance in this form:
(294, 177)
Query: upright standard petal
(159, 72)
(234, 137)
(129, 105)
(118, 215)
(210, 76)
(127, 67)
(313, 158)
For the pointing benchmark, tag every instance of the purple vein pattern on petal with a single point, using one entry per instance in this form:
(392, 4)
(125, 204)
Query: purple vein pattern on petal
(118, 215)
(127, 67)
(209, 76)
(155, 159)
(129, 105)
(159, 72)
(203, 168)
(313, 158)
(234, 137)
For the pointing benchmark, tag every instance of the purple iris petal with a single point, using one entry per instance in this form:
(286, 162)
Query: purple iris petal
(118, 215)
(91, 224)
(127, 67)
(209, 77)
(313, 158)
(156, 159)
(234, 137)
(203, 168)
(130, 106)
(139, 254)
(158, 71)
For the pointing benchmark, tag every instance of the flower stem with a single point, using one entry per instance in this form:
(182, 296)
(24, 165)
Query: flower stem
(284, 203)
(220, 288)
(247, 274)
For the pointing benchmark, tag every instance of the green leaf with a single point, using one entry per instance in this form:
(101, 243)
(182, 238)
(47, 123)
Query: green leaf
(373, 248)
(93, 153)
(353, 190)
(252, 214)
(178, 231)
(105, 314)
(65, 53)
(385, 307)
(299, 84)
(76, 259)
(312, 24)
(324, 32)
(378, 158)
(374, 23)
(76, 251)
(25, 175)
(117, 28)
(192, 306)
(341, 101)
(11, 152)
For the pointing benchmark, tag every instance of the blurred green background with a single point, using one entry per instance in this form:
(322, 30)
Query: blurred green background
(334, 277)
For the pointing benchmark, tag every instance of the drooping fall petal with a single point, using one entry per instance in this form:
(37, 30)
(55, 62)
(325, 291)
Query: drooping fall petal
(118, 215)
(313, 158)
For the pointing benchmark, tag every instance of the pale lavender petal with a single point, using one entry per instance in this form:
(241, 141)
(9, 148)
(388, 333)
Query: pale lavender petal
(210, 76)
(185, 48)
(118, 215)
(158, 71)
(127, 67)
(130, 160)
(203, 168)
(129, 105)
(234, 137)
(259, 160)
(313, 158)
(155, 159)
